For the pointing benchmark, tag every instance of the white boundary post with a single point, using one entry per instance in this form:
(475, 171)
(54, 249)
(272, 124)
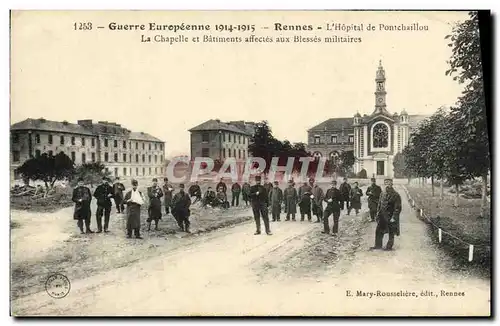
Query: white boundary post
(471, 252)
(440, 235)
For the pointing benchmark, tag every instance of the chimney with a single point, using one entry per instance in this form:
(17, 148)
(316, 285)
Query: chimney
(87, 123)
(65, 122)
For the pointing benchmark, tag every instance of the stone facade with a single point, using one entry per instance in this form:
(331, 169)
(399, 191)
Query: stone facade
(124, 153)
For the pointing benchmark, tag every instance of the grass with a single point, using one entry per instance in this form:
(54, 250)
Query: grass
(61, 199)
(462, 222)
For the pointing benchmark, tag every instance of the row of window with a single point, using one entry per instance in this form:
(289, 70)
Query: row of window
(150, 170)
(240, 154)
(16, 157)
(62, 141)
(237, 139)
(333, 139)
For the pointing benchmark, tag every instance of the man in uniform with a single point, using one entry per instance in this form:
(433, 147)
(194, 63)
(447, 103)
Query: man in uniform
(305, 192)
(388, 216)
(82, 198)
(103, 194)
(317, 200)
(235, 192)
(134, 200)
(355, 199)
(118, 189)
(168, 190)
(290, 197)
(222, 201)
(195, 191)
(209, 198)
(260, 201)
(180, 208)
(275, 200)
(345, 191)
(246, 192)
(333, 199)
(269, 186)
(373, 192)
(221, 185)
(154, 211)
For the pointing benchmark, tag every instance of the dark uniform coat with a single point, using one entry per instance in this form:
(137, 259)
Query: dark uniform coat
(246, 191)
(335, 196)
(388, 211)
(167, 200)
(118, 189)
(102, 194)
(290, 198)
(355, 198)
(195, 191)
(82, 208)
(180, 205)
(221, 185)
(154, 194)
(275, 200)
(373, 192)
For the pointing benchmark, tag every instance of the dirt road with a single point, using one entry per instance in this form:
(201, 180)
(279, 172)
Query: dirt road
(296, 271)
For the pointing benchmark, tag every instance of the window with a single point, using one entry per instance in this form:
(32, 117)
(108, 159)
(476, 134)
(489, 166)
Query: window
(156, 171)
(334, 139)
(161, 170)
(37, 138)
(143, 171)
(136, 171)
(37, 153)
(380, 136)
(115, 143)
(143, 146)
(228, 152)
(92, 141)
(235, 152)
(351, 139)
(149, 158)
(50, 139)
(83, 158)
(149, 146)
(239, 139)
(51, 153)
(136, 145)
(93, 157)
(161, 147)
(143, 158)
(124, 157)
(205, 152)
(124, 171)
(83, 141)
(73, 156)
(223, 136)
(116, 157)
(105, 143)
(239, 153)
(72, 140)
(156, 159)
(149, 171)
(15, 138)
(136, 158)
(156, 146)
(229, 137)
(62, 140)
(106, 157)
(205, 137)
(224, 153)
(124, 144)
(130, 160)
(116, 172)
(16, 156)
(317, 140)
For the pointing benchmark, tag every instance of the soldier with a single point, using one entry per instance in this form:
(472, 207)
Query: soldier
(222, 199)
(275, 200)
(235, 191)
(134, 200)
(221, 185)
(333, 199)
(168, 190)
(82, 198)
(209, 198)
(373, 193)
(103, 194)
(305, 192)
(118, 189)
(246, 192)
(180, 208)
(317, 200)
(355, 199)
(195, 191)
(389, 209)
(290, 197)
(345, 191)
(260, 202)
(269, 186)
(154, 211)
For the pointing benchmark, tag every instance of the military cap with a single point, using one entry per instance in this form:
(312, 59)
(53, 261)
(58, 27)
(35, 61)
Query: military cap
(134, 182)
(155, 180)
(276, 183)
(181, 186)
(80, 179)
(258, 178)
(165, 179)
(373, 179)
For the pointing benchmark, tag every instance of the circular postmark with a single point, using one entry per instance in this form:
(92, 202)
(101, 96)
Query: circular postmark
(57, 286)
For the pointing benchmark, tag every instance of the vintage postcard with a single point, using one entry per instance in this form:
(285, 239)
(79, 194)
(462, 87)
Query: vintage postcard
(250, 163)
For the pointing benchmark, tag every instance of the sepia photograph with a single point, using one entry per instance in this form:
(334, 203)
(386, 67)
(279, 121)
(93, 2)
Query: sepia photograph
(307, 163)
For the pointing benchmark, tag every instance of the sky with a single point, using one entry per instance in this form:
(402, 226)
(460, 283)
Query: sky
(61, 74)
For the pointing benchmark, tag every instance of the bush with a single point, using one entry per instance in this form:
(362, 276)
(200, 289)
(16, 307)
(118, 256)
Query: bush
(362, 174)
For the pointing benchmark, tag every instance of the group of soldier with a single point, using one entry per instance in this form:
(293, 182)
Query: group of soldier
(384, 206)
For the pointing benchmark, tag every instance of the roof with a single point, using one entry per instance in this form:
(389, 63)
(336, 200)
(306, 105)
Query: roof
(47, 125)
(143, 136)
(347, 123)
(213, 124)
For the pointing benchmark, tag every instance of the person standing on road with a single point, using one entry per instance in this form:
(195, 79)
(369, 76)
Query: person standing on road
(373, 192)
(317, 200)
(82, 198)
(154, 211)
(168, 190)
(345, 191)
(275, 200)
(221, 186)
(290, 197)
(246, 193)
(269, 186)
(180, 208)
(260, 203)
(235, 192)
(355, 199)
(118, 189)
(134, 200)
(195, 191)
(305, 192)
(103, 194)
(389, 210)
(333, 199)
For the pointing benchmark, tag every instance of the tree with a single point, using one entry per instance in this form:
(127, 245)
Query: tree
(400, 166)
(470, 113)
(92, 173)
(362, 174)
(347, 160)
(47, 168)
